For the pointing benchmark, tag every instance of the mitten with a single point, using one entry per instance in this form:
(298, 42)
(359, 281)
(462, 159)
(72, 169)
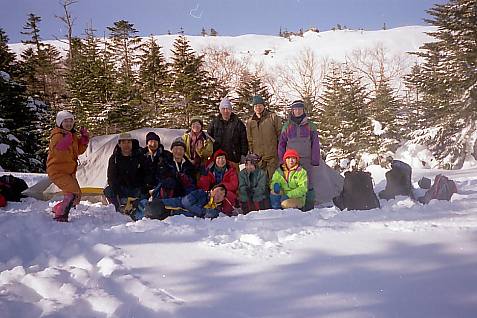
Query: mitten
(84, 136)
(276, 188)
(65, 142)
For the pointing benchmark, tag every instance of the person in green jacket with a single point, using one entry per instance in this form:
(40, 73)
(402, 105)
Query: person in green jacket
(289, 183)
(253, 187)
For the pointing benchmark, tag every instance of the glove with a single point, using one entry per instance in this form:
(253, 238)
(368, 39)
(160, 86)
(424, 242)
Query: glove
(65, 142)
(276, 188)
(84, 132)
(84, 136)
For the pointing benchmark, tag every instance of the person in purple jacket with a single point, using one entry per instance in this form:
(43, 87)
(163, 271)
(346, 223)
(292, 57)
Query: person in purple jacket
(302, 135)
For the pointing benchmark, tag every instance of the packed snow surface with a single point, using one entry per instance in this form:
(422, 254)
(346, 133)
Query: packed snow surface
(403, 260)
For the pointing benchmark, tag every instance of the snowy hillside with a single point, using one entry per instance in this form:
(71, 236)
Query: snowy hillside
(274, 51)
(404, 260)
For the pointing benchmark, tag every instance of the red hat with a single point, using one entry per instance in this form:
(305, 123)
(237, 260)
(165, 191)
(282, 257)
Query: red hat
(291, 153)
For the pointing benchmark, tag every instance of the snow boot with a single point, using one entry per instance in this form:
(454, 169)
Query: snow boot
(62, 209)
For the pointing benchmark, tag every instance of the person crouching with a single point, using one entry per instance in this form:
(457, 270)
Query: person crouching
(253, 191)
(289, 183)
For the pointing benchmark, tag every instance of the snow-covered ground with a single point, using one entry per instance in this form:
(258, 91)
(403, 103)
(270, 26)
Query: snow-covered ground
(403, 260)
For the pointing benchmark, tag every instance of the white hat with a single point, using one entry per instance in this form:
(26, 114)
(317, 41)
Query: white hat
(225, 103)
(62, 115)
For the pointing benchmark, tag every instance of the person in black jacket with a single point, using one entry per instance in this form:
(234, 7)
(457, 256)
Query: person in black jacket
(229, 133)
(125, 172)
(155, 159)
(176, 176)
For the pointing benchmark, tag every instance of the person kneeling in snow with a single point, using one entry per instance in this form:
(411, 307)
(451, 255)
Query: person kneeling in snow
(199, 203)
(289, 183)
(253, 190)
(64, 149)
(125, 174)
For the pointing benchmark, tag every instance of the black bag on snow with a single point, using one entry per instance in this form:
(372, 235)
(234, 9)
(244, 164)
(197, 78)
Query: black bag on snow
(398, 181)
(442, 189)
(357, 193)
(12, 187)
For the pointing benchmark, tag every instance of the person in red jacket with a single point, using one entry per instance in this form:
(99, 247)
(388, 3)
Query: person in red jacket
(219, 170)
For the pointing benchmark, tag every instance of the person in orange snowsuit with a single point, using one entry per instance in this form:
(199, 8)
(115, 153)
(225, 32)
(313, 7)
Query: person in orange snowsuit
(64, 149)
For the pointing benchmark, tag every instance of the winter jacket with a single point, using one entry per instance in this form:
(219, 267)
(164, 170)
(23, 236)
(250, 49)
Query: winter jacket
(201, 156)
(230, 136)
(304, 139)
(126, 171)
(253, 185)
(230, 179)
(62, 159)
(263, 133)
(197, 203)
(154, 166)
(184, 174)
(295, 186)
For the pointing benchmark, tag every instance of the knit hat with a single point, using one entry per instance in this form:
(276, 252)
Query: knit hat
(152, 136)
(125, 136)
(197, 120)
(178, 142)
(291, 153)
(297, 104)
(225, 103)
(62, 115)
(257, 100)
(253, 158)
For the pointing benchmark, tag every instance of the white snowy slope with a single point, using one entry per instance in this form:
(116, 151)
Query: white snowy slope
(403, 260)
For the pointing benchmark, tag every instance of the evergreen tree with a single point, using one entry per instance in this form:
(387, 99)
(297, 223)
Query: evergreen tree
(384, 108)
(87, 83)
(40, 66)
(7, 58)
(18, 131)
(250, 85)
(191, 86)
(153, 79)
(447, 82)
(346, 127)
(125, 43)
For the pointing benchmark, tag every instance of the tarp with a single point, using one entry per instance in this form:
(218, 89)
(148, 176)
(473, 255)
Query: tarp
(93, 164)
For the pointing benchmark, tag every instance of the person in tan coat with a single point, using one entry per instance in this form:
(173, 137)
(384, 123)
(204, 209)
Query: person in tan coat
(64, 149)
(263, 131)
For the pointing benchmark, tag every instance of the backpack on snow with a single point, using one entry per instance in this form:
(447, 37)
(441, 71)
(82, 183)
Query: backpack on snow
(12, 187)
(357, 193)
(398, 181)
(442, 189)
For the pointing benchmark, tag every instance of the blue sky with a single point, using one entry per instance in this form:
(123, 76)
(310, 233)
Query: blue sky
(228, 17)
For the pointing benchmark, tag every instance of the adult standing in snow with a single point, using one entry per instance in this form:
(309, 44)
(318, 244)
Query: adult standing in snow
(64, 149)
(301, 134)
(229, 133)
(263, 130)
(125, 172)
(199, 145)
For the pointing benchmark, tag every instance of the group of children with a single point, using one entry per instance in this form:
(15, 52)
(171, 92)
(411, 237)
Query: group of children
(210, 188)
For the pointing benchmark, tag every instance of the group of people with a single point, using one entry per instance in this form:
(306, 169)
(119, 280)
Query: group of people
(200, 175)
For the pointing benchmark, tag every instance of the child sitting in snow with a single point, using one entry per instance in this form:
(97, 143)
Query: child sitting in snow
(253, 188)
(199, 203)
(64, 149)
(289, 183)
